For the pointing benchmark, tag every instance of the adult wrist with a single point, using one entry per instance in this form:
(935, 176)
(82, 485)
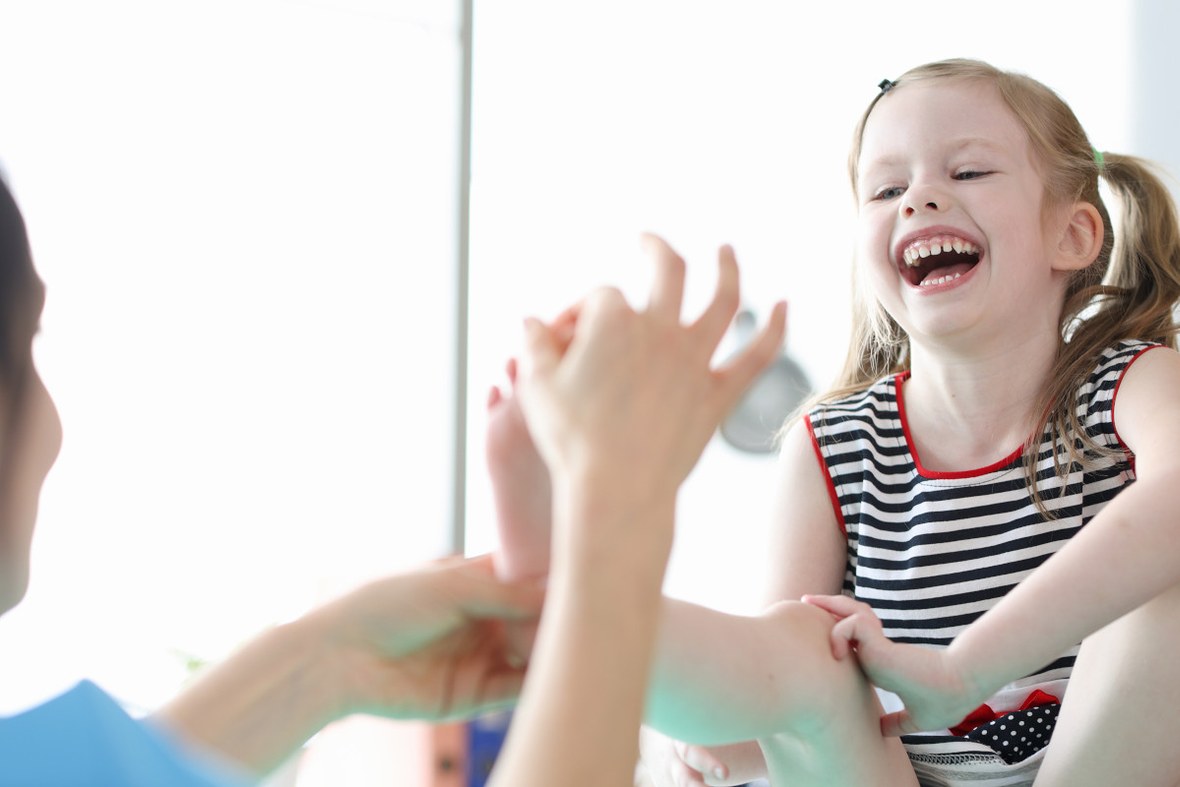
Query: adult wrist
(337, 664)
(611, 491)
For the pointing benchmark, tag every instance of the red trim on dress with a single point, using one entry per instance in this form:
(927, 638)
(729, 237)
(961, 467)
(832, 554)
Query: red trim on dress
(823, 466)
(922, 471)
(984, 713)
(1115, 394)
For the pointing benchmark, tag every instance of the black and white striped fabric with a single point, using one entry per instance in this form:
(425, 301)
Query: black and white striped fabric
(932, 551)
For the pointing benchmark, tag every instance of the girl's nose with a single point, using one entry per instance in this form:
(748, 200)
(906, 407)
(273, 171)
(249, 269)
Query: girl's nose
(923, 199)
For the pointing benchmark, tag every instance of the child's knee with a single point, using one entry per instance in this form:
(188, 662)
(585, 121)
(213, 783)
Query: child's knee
(835, 712)
(832, 692)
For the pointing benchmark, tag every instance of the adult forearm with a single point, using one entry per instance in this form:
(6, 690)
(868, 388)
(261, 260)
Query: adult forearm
(590, 662)
(262, 703)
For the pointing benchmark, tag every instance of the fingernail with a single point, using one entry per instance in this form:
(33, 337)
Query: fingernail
(719, 772)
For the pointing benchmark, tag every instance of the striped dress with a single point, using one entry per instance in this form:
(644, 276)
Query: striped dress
(932, 551)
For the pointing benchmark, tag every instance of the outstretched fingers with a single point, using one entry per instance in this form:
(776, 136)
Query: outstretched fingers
(738, 373)
(715, 319)
(667, 294)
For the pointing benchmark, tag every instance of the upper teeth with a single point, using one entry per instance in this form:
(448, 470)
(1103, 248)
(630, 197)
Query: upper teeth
(916, 251)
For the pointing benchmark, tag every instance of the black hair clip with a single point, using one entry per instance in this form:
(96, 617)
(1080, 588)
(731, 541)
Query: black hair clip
(886, 85)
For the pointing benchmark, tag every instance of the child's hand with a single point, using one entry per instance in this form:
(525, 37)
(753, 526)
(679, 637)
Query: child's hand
(937, 693)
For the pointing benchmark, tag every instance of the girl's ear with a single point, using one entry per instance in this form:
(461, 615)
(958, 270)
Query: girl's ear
(1082, 239)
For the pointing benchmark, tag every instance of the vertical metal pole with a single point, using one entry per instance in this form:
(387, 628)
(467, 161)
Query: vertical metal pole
(459, 492)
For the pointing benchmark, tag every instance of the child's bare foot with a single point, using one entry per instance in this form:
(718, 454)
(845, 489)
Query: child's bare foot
(520, 486)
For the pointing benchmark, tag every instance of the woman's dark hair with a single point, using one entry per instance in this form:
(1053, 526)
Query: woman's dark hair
(19, 310)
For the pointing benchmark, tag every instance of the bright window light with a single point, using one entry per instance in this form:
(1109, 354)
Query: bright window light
(245, 213)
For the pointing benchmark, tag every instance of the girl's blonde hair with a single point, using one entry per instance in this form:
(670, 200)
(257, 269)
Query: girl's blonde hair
(1129, 292)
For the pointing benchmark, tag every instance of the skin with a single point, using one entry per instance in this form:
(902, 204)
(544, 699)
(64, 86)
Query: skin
(34, 442)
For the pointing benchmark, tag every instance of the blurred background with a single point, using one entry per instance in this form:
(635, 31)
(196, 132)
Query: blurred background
(289, 243)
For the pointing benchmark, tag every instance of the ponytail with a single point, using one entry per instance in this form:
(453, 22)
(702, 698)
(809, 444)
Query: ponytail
(1143, 280)
(1130, 292)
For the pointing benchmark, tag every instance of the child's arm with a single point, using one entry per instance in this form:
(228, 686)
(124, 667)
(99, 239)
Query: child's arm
(806, 554)
(1124, 557)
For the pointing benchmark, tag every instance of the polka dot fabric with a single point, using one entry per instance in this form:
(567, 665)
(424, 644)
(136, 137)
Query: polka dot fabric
(1018, 735)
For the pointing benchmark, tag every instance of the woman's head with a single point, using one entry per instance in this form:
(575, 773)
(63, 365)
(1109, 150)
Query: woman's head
(30, 432)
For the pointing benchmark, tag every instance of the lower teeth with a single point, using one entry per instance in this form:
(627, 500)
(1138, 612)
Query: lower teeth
(940, 280)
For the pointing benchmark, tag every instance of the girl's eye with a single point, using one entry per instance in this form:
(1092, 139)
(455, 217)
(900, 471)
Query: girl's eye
(891, 192)
(970, 174)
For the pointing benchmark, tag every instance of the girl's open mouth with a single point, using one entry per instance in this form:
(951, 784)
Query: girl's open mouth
(938, 259)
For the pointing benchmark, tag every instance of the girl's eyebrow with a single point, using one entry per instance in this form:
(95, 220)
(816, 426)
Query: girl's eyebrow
(954, 145)
(983, 142)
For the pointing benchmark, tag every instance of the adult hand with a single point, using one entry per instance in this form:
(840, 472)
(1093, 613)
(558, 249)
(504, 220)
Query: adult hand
(634, 394)
(430, 644)
(426, 644)
(936, 691)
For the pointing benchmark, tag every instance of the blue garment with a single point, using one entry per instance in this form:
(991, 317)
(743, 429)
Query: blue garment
(84, 737)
